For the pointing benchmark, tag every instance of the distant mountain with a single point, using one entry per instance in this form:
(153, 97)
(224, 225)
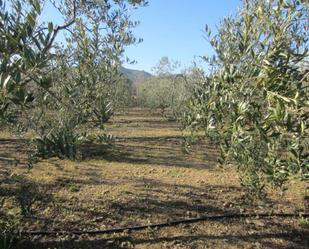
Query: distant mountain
(136, 76)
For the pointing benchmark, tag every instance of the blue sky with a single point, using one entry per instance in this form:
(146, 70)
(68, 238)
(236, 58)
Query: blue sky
(174, 28)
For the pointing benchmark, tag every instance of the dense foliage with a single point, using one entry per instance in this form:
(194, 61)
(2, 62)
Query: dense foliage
(59, 90)
(255, 101)
(61, 87)
(167, 90)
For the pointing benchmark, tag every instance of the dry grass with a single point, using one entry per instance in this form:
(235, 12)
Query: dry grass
(146, 178)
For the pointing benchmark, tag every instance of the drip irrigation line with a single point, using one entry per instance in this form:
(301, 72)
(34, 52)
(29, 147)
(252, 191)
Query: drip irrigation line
(166, 224)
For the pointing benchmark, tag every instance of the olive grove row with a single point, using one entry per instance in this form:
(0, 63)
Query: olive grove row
(253, 100)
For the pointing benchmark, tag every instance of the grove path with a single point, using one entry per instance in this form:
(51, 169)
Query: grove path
(147, 177)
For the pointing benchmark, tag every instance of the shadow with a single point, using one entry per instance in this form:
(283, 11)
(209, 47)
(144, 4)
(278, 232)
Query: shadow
(165, 151)
(13, 152)
(151, 122)
(28, 196)
(142, 200)
(291, 240)
(19, 144)
(156, 202)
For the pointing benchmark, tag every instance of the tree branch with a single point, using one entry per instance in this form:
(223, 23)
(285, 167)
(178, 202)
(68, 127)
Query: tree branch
(61, 27)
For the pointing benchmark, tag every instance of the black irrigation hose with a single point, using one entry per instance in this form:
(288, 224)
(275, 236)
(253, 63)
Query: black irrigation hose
(165, 224)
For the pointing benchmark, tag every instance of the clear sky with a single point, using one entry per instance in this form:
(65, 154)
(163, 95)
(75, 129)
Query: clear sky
(174, 28)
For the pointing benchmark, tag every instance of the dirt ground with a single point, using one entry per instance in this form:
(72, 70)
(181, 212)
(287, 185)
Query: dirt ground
(145, 177)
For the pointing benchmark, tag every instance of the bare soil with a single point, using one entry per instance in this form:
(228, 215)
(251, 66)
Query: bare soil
(145, 177)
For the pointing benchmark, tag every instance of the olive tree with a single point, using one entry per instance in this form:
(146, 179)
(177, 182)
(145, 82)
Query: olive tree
(167, 90)
(24, 52)
(27, 42)
(81, 92)
(62, 86)
(255, 101)
(59, 88)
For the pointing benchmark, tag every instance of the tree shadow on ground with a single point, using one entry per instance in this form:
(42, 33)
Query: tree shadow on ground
(13, 152)
(164, 151)
(155, 202)
(148, 200)
(146, 123)
(295, 239)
